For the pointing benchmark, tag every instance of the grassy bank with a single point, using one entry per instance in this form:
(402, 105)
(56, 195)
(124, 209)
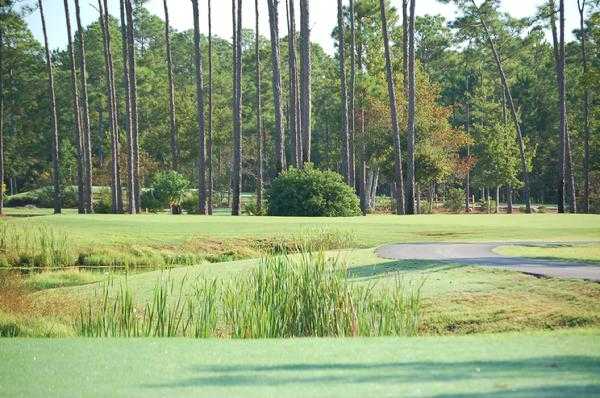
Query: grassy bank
(455, 299)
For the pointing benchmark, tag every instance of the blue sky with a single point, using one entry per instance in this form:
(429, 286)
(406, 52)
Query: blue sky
(323, 14)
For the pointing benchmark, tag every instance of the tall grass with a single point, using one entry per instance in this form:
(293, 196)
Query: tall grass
(35, 247)
(287, 296)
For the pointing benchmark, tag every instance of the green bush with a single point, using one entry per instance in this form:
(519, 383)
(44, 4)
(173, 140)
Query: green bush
(484, 206)
(455, 200)
(149, 202)
(103, 202)
(190, 203)
(251, 209)
(311, 192)
(43, 198)
(169, 188)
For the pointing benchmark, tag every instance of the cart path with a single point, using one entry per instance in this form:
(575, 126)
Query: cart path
(482, 254)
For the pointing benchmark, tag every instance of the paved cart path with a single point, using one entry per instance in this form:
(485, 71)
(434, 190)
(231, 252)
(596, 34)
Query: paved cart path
(483, 254)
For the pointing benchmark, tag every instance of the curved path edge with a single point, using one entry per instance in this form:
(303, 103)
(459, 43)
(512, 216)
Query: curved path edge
(482, 254)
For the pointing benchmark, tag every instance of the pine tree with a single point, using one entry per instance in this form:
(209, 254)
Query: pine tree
(400, 209)
(305, 80)
(200, 112)
(52, 101)
(85, 116)
(172, 119)
(345, 137)
(131, 203)
(275, 62)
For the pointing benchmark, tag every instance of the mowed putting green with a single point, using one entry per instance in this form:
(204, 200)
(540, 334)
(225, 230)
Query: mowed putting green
(164, 229)
(554, 364)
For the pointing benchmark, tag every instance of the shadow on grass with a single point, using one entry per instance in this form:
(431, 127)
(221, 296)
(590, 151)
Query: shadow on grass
(588, 390)
(382, 270)
(499, 375)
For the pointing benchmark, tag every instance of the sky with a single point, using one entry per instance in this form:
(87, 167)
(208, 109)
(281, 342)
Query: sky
(323, 16)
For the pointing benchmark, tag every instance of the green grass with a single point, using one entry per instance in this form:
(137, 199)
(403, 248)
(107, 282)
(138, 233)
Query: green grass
(63, 278)
(456, 299)
(548, 364)
(583, 252)
(164, 229)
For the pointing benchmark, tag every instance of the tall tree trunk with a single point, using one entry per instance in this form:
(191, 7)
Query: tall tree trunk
(293, 73)
(259, 126)
(400, 209)
(172, 118)
(352, 100)
(85, 116)
(509, 200)
(209, 147)
(345, 139)
(279, 136)
(410, 130)
(513, 111)
(131, 204)
(562, 154)
(564, 125)
(200, 112)
(497, 200)
(362, 160)
(374, 188)
(305, 80)
(111, 104)
(134, 103)
(2, 122)
(566, 178)
(100, 136)
(468, 130)
(586, 107)
(76, 116)
(54, 149)
(405, 47)
(237, 111)
(362, 169)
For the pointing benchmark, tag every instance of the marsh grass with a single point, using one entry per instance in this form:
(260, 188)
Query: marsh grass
(34, 247)
(287, 296)
(41, 248)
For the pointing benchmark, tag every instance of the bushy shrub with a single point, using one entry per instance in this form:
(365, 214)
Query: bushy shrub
(190, 203)
(251, 209)
(43, 198)
(311, 192)
(488, 207)
(149, 202)
(455, 200)
(169, 188)
(103, 202)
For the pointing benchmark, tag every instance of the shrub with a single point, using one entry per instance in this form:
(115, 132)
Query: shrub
(484, 206)
(43, 198)
(169, 188)
(103, 202)
(455, 200)
(190, 203)
(251, 209)
(149, 202)
(311, 192)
